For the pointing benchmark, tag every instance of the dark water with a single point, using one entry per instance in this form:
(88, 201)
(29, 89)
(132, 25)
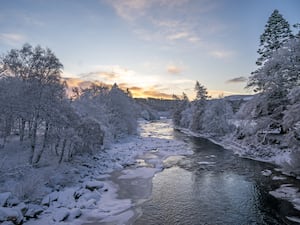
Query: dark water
(213, 186)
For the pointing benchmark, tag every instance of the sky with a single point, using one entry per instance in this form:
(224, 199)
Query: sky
(155, 48)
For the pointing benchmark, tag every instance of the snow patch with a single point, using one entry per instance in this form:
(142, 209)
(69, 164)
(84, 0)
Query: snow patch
(266, 173)
(206, 163)
(289, 193)
(141, 172)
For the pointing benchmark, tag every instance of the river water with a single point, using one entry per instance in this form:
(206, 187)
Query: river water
(213, 186)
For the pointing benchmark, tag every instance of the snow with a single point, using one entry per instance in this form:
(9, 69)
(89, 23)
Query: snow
(93, 185)
(11, 214)
(142, 172)
(278, 178)
(206, 163)
(289, 193)
(4, 197)
(293, 219)
(266, 173)
(84, 191)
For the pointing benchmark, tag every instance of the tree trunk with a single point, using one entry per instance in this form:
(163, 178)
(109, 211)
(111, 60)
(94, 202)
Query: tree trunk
(33, 140)
(38, 158)
(62, 150)
(22, 129)
(56, 147)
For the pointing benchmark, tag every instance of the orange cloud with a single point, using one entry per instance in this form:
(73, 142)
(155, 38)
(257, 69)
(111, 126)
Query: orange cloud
(137, 92)
(173, 69)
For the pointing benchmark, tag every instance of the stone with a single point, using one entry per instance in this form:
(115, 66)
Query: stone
(94, 185)
(11, 214)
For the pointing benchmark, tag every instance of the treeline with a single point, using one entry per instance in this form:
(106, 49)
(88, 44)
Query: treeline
(35, 108)
(272, 116)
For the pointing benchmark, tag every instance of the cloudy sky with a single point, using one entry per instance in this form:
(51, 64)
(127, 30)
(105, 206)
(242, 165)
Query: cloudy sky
(153, 47)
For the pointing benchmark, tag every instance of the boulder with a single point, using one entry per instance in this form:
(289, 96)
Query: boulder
(4, 198)
(61, 215)
(33, 211)
(50, 198)
(75, 213)
(94, 185)
(11, 214)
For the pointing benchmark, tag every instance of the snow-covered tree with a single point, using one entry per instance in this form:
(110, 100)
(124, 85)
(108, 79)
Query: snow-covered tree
(38, 71)
(180, 106)
(198, 107)
(277, 32)
(122, 113)
(216, 117)
(279, 75)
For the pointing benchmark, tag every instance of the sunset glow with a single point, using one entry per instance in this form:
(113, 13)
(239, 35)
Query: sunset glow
(155, 48)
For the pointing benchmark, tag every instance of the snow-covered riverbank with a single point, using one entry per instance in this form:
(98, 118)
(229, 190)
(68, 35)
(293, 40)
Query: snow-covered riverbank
(92, 195)
(280, 158)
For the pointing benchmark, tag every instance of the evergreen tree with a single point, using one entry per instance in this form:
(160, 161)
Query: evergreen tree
(201, 92)
(277, 32)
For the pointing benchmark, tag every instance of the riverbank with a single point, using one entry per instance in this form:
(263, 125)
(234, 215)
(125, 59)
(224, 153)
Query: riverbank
(278, 157)
(85, 191)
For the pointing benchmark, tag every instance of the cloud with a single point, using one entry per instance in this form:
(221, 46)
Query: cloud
(173, 69)
(130, 9)
(157, 94)
(100, 74)
(179, 35)
(237, 80)
(221, 93)
(12, 38)
(221, 54)
(137, 92)
(164, 20)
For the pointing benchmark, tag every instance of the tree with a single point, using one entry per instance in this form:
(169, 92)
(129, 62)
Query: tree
(121, 112)
(277, 32)
(201, 92)
(216, 116)
(198, 107)
(180, 106)
(39, 71)
(279, 75)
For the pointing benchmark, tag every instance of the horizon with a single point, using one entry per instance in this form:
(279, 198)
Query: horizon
(154, 48)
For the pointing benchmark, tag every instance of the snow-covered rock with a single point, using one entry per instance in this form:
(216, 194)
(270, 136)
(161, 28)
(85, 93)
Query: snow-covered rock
(75, 213)
(7, 223)
(266, 173)
(289, 193)
(23, 207)
(11, 214)
(50, 198)
(294, 219)
(94, 185)
(33, 211)
(61, 214)
(278, 178)
(4, 198)
(91, 195)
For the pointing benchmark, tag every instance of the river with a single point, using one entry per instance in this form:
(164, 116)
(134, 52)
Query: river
(210, 187)
(214, 186)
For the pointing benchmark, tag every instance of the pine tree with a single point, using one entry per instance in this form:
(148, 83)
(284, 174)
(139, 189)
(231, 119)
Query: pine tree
(277, 32)
(201, 92)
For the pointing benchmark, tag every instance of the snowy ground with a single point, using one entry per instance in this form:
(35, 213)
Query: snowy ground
(84, 191)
